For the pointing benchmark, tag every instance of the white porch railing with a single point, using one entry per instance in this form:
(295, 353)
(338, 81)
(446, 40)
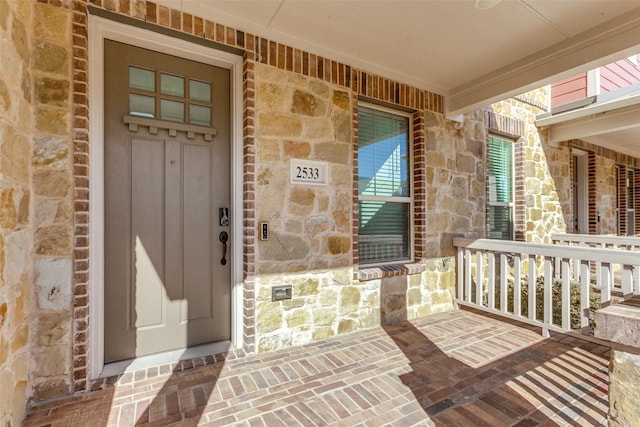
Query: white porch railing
(541, 284)
(609, 241)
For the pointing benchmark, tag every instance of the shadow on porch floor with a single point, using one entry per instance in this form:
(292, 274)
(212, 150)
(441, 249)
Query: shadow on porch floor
(457, 368)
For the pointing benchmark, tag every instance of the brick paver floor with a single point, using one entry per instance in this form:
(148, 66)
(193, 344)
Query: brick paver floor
(451, 369)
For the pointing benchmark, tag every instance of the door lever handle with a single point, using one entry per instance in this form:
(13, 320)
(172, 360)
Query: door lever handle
(224, 238)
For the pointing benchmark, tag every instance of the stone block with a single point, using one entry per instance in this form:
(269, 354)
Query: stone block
(324, 316)
(52, 328)
(342, 100)
(306, 286)
(318, 129)
(619, 323)
(14, 154)
(52, 121)
(53, 92)
(268, 317)
(50, 151)
(278, 124)
(17, 255)
(53, 241)
(337, 245)
(349, 300)
(347, 325)
(53, 283)
(20, 38)
(307, 104)
(339, 153)
(270, 96)
(50, 389)
(297, 149)
(52, 23)
(50, 58)
(342, 126)
(298, 317)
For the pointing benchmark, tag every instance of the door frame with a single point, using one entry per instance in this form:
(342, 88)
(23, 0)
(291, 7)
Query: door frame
(100, 29)
(581, 196)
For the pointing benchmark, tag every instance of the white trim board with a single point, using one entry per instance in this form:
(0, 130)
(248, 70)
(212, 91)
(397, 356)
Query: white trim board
(99, 30)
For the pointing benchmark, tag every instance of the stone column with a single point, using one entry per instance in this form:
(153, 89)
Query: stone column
(620, 323)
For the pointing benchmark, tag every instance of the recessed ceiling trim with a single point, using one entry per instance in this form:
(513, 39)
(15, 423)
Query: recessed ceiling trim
(614, 39)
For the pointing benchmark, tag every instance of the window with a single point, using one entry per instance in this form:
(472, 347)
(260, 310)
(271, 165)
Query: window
(180, 100)
(500, 188)
(384, 188)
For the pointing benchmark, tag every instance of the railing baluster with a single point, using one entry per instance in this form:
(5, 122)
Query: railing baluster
(479, 277)
(460, 269)
(504, 282)
(566, 295)
(491, 280)
(533, 282)
(548, 295)
(627, 280)
(467, 275)
(517, 292)
(636, 279)
(605, 288)
(585, 306)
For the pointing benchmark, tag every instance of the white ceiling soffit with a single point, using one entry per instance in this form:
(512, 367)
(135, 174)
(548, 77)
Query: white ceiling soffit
(471, 56)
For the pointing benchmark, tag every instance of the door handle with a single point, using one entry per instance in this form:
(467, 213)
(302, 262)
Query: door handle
(224, 238)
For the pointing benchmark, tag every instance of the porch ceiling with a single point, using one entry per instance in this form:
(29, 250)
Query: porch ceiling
(472, 56)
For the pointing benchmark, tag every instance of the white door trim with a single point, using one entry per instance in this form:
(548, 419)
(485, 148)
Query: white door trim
(100, 29)
(582, 196)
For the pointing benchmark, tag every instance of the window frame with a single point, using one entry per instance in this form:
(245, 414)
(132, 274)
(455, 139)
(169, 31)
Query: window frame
(408, 200)
(512, 203)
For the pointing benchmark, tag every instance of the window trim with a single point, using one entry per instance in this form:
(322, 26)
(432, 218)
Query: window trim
(512, 203)
(410, 200)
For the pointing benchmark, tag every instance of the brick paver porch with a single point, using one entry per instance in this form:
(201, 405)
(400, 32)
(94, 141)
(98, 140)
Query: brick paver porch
(458, 368)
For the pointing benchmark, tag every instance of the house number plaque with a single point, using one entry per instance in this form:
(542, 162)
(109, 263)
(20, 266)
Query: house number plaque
(308, 172)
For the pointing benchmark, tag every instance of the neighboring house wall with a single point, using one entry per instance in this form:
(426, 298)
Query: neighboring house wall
(617, 75)
(620, 74)
(568, 90)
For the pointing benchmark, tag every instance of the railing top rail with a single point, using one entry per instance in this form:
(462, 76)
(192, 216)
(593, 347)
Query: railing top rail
(601, 238)
(618, 256)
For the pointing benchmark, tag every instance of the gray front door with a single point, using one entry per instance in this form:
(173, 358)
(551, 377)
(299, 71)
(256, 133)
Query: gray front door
(166, 154)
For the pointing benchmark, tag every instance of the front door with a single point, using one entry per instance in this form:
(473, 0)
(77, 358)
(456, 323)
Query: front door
(167, 194)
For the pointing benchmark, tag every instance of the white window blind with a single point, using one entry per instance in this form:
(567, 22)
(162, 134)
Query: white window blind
(500, 188)
(383, 186)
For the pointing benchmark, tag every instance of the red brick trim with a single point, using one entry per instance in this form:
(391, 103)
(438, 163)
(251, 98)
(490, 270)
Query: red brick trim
(591, 196)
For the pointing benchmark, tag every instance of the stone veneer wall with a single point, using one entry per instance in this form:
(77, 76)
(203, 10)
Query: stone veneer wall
(35, 204)
(16, 231)
(545, 169)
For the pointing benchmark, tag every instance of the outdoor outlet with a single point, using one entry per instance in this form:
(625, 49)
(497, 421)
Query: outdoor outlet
(279, 293)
